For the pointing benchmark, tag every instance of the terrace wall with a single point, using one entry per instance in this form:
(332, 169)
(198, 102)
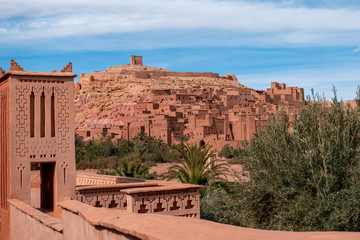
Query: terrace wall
(82, 221)
(28, 223)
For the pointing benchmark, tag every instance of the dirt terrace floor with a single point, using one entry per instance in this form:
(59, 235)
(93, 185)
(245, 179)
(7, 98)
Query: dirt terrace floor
(161, 168)
(35, 203)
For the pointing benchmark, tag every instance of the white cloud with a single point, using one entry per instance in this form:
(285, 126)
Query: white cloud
(247, 23)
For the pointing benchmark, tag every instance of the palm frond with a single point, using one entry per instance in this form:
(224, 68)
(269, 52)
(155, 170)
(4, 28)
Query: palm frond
(195, 166)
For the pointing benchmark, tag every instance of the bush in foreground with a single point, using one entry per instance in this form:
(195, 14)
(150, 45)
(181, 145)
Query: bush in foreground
(304, 176)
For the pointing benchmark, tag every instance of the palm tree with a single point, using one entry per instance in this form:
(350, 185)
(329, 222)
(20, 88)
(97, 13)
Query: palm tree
(182, 139)
(134, 169)
(195, 166)
(142, 136)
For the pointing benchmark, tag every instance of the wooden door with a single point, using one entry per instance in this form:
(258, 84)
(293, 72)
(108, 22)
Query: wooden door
(47, 172)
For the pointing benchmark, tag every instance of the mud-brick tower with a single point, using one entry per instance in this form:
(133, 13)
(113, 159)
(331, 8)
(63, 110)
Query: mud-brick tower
(37, 126)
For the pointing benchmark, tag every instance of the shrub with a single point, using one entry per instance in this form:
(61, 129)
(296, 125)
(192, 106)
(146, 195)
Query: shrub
(305, 176)
(106, 154)
(220, 206)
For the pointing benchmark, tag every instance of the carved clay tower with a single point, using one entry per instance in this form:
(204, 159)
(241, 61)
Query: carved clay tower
(37, 127)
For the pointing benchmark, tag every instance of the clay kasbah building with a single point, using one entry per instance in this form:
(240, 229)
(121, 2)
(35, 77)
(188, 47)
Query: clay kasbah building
(38, 120)
(167, 104)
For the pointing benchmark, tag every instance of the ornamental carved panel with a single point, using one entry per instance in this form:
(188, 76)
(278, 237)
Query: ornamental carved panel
(22, 110)
(63, 114)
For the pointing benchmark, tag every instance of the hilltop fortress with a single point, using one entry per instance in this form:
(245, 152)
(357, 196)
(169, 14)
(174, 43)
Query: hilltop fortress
(127, 99)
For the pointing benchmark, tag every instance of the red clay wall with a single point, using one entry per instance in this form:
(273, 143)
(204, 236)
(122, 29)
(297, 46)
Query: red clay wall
(82, 221)
(4, 160)
(31, 224)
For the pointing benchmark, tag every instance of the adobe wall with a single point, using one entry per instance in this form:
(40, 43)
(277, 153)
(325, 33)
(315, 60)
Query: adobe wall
(76, 227)
(192, 74)
(35, 179)
(31, 224)
(156, 73)
(4, 157)
(82, 221)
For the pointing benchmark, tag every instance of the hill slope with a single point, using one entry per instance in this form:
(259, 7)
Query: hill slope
(101, 97)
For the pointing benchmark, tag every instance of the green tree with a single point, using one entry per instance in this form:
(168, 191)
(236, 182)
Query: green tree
(79, 148)
(304, 176)
(182, 139)
(132, 167)
(195, 166)
(227, 152)
(104, 153)
(102, 146)
(124, 147)
(142, 136)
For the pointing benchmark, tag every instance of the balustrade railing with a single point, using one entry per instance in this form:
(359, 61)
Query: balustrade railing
(144, 197)
(107, 196)
(170, 200)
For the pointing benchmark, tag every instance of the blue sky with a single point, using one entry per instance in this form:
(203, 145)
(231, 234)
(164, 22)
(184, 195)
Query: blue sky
(305, 43)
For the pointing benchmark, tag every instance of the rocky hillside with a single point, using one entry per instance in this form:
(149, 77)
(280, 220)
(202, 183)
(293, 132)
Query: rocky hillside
(101, 97)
